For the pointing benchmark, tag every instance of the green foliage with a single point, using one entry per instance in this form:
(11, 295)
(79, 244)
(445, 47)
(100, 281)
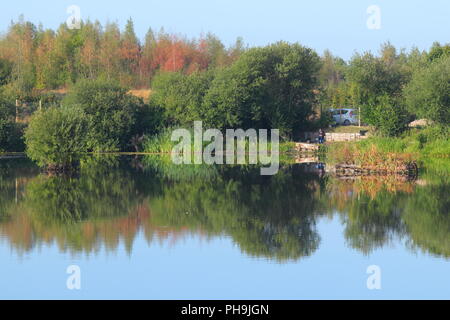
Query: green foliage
(181, 96)
(387, 116)
(373, 76)
(7, 111)
(160, 142)
(375, 85)
(428, 93)
(56, 137)
(5, 71)
(113, 115)
(333, 92)
(325, 120)
(437, 51)
(269, 87)
(429, 142)
(11, 133)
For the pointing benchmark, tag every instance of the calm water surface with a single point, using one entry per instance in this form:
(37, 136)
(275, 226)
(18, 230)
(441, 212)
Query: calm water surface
(143, 228)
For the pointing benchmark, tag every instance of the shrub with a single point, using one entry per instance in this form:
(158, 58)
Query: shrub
(6, 68)
(181, 96)
(56, 137)
(6, 123)
(270, 87)
(11, 133)
(114, 116)
(387, 116)
(428, 93)
(159, 143)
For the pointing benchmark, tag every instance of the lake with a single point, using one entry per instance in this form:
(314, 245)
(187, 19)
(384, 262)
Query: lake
(144, 228)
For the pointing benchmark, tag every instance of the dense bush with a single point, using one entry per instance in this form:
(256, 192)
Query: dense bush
(5, 71)
(386, 114)
(181, 95)
(375, 84)
(6, 123)
(56, 137)
(428, 93)
(438, 51)
(114, 116)
(372, 77)
(11, 133)
(269, 87)
(433, 141)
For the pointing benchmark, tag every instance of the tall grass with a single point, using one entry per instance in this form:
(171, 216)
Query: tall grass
(433, 141)
(368, 158)
(386, 153)
(161, 143)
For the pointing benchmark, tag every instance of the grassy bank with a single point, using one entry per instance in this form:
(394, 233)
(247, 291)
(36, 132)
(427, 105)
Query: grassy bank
(162, 143)
(348, 129)
(425, 146)
(431, 142)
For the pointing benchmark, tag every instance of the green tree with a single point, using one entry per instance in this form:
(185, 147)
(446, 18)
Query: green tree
(215, 50)
(428, 93)
(373, 77)
(5, 71)
(111, 112)
(437, 51)
(11, 133)
(269, 87)
(88, 62)
(129, 54)
(49, 73)
(147, 56)
(376, 83)
(110, 51)
(181, 96)
(20, 42)
(7, 112)
(236, 50)
(333, 87)
(386, 114)
(56, 137)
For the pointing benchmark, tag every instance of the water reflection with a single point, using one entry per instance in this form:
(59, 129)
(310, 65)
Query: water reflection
(112, 199)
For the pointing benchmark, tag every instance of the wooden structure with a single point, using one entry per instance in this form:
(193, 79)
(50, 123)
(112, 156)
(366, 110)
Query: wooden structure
(306, 147)
(408, 169)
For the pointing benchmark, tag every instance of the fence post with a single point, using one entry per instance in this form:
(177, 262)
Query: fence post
(359, 116)
(17, 190)
(17, 110)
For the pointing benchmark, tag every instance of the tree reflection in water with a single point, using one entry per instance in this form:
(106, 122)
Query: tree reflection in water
(112, 199)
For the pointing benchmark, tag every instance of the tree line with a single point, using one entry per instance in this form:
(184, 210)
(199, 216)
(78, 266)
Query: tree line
(279, 86)
(34, 58)
(391, 88)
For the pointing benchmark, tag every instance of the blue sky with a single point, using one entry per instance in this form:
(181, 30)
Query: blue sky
(320, 24)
